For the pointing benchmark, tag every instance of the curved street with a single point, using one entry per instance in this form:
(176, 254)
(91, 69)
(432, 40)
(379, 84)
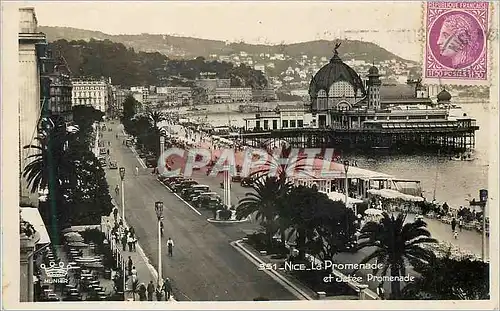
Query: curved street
(204, 266)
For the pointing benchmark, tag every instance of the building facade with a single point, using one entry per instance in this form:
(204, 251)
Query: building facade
(232, 95)
(60, 102)
(264, 95)
(175, 95)
(92, 92)
(32, 46)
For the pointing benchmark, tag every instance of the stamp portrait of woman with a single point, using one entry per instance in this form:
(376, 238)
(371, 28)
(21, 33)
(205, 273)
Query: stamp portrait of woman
(459, 40)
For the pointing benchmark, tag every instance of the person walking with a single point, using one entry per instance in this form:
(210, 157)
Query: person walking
(136, 171)
(115, 213)
(117, 192)
(130, 264)
(150, 290)
(170, 246)
(167, 288)
(124, 242)
(453, 224)
(134, 241)
(133, 272)
(460, 223)
(130, 241)
(381, 291)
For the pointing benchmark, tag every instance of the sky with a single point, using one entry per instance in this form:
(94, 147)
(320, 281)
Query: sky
(392, 25)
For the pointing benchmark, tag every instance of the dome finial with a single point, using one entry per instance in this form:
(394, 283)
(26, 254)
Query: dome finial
(337, 45)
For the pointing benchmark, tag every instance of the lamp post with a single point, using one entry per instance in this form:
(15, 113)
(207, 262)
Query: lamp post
(483, 198)
(159, 215)
(122, 177)
(346, 169)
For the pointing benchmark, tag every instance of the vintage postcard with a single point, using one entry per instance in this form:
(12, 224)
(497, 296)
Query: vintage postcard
(249, 155)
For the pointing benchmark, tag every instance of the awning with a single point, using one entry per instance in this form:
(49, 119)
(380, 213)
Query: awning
(32, 215)
(336, 196)
(393, 194)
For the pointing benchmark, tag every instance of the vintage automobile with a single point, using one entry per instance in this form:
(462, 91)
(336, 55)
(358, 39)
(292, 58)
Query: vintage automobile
(187, 192)
(103, 161)
(102, 151)
(184, 184)
(113, 165)
(246, 182)
(204, 199)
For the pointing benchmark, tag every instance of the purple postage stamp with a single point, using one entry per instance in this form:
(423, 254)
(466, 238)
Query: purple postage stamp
(456, 48)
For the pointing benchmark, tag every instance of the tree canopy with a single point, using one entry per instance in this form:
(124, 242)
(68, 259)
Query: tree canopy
(97, 58)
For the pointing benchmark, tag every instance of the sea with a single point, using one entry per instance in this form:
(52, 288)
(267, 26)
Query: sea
(450, 181)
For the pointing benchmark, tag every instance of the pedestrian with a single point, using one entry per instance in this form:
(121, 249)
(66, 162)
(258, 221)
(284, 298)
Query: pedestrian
(117, 191)
(134, 241)
(161, 228)
(133, 272)
(115, 213)
(381, 291)
(151, 290)
(460, 224)
(124, 242)
(453, 224)
(170, 246)
(132, 230)
(130, 264)
(109, 143)
(455, 234)
(167, 288)
(130, 240)
(107, 151)
(136, 171)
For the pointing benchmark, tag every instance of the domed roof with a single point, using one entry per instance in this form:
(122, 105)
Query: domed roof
(444, 95)
(373, 70)
(335, 70)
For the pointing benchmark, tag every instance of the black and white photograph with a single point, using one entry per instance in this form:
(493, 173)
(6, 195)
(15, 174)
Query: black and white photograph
(309, 154)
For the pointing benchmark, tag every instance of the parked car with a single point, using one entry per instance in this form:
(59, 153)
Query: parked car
(103, 161)
(195, 194)
(246, 182)
(151, 161)
(203, 200)
(186, 183)
(102, 151)
(113, 165)
(186, 192)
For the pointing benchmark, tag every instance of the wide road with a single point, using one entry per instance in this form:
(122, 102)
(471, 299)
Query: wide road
(205, 267)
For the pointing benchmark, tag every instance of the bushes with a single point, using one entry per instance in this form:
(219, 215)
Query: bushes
(259, 240)
(225, 214)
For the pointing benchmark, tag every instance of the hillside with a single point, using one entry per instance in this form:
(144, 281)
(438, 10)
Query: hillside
(126, 67)
(186, 47)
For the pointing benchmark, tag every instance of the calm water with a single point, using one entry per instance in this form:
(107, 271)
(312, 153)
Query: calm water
(455, 179)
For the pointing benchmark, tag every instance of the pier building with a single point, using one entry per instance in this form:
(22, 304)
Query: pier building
(346, 112)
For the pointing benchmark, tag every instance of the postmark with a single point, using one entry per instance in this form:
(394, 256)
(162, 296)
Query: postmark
(456, 45)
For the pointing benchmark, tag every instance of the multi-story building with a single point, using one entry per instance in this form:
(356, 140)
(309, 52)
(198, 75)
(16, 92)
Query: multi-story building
(144, 90)
(264, 95)
(176, 95)
(233, 95)
(120, 96)
(95, 92)
(31, 51)
(60, 103)
(32, 65)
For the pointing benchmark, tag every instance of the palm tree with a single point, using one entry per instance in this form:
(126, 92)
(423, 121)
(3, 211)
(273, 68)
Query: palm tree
(397, 244)
(264, 201)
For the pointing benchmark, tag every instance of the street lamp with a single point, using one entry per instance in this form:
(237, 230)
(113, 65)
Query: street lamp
(122, 177)
(346, 169)
(159, 215)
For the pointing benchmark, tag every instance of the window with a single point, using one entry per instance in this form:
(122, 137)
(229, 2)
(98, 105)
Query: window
(340, 89)
(284, 123)
(275, 124)
(322, 100)
(293, 123)
(257, 124)
(300, 123)
(266, 124)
